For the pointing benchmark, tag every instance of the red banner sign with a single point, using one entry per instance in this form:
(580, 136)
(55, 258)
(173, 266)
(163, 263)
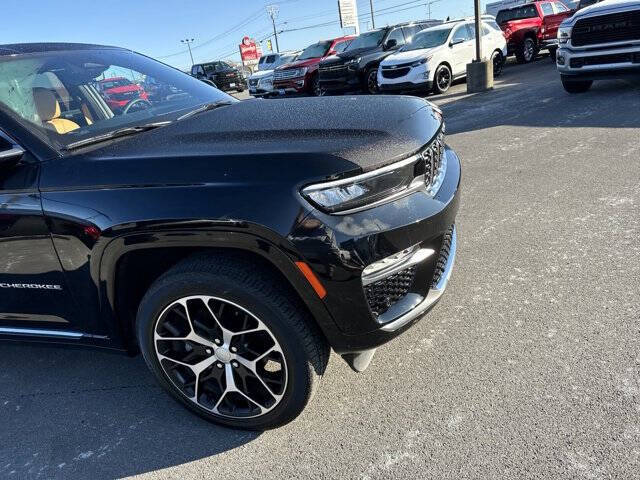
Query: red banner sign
(249, 50)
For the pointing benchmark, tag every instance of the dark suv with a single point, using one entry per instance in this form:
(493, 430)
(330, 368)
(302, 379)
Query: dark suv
(356, 68)
(225, 76)
(232, 243)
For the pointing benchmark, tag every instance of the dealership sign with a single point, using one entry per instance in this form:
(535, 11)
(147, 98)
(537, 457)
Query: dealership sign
(249, 50)
(348, 13)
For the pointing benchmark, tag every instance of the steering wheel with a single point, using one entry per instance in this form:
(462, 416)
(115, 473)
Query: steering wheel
(137, 101)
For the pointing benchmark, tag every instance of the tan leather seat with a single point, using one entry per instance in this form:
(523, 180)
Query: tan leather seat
(48, 110)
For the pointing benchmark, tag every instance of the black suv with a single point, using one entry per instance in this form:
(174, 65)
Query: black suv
(225, 76)
(232, 243)
(356, 69)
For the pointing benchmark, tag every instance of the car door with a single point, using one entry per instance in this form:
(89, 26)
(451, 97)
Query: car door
(461, 49)
(34, 296)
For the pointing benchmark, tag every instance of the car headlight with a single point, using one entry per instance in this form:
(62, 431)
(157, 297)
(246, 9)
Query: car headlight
(301, 72)
(564, 34)
(353, 63)
(364, 190)
(421, 62)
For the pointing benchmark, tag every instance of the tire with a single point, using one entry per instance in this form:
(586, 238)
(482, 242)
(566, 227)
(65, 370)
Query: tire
(442, 79)
(576, 86)
(498, 63)
(552, 53)
(371, 81)
(316, 90)
(528, 51)
(295, 351)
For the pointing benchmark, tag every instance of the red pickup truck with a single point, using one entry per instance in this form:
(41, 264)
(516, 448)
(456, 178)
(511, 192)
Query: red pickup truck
(532, 27)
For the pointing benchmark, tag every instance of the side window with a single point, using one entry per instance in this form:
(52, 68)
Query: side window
(547, 9)
(396, 34)
(461, 34)
(339, 47)
(200, 70)
(471, 28)
(194, 70)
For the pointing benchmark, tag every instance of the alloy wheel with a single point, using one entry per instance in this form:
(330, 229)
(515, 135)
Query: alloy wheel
(444, 79)
(220, 356)
(529, 50)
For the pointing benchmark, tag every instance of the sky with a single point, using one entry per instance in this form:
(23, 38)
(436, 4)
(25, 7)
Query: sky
(155, 27)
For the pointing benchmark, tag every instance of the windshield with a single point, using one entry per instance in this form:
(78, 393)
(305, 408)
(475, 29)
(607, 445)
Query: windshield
(216, 67)
(316, 50)
(284, 60)
(367, 40)
(428, 39)
(66, 96)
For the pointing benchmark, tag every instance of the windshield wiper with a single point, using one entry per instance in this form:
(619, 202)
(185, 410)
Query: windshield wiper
(120, 132)
(205, 108)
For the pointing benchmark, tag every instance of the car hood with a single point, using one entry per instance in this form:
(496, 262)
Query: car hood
(603, 8)
(302, 63)
(334, 134)
(261, 74)
(409, 56)
(351, 54)
(123, 89)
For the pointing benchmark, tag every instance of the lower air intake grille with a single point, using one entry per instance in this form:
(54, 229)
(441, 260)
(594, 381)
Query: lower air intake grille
(445, 249)
(383, 294)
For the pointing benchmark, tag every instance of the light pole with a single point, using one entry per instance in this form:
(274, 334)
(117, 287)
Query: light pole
(272, 10)
(189, 41)
(429, 6)
(478, 31)
(373, 20)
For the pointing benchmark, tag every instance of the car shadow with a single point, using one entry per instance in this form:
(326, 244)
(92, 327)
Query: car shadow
(75, 413)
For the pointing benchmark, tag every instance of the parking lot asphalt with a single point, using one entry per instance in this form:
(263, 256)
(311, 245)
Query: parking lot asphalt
(528, 368)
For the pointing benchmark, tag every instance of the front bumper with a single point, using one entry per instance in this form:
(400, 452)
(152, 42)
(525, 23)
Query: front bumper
(406, 86)
(291, 86)
(340, 79)
(598, 63)
(338, 248)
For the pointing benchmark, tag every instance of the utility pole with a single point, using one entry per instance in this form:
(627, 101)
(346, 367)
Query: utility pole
(429, 6)
(272, 10)
(189, 41)
(373, 20)
(478, 31)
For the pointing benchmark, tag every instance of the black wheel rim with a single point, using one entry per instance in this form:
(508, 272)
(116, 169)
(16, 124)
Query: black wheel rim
(372, 82)
(220, 356)
(444, 79)
(528, 50)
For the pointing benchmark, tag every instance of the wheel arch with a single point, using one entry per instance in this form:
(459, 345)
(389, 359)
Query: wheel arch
(130, 264)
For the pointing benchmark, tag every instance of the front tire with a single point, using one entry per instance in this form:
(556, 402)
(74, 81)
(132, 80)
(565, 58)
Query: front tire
(498, 63)
(576, 86)
(231, 343)
(371, 81)
(442, 79)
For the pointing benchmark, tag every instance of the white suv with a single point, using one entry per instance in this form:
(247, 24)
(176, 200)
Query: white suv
(598, 42)
(435, 57)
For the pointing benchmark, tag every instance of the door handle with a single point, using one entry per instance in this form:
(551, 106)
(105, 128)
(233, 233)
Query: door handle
(13, 152)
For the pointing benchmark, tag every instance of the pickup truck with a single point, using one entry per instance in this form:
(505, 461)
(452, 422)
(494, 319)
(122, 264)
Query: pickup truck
(532, 27)
(601, 41)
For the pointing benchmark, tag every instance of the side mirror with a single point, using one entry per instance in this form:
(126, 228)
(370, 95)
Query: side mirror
(456, 41)
(392, 43)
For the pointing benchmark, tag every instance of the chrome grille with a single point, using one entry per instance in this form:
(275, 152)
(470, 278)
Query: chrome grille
(332, 68)
(285, 74)
(433, 156)
(615, 27)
